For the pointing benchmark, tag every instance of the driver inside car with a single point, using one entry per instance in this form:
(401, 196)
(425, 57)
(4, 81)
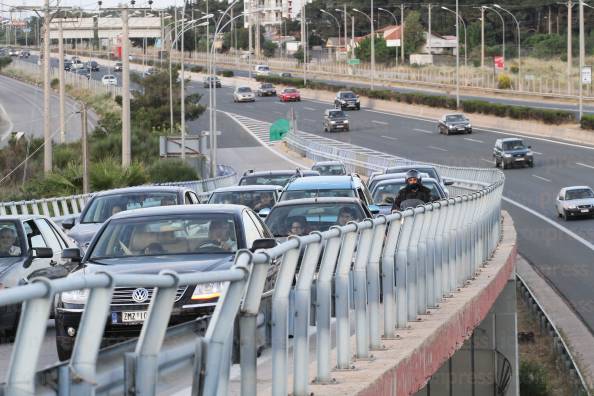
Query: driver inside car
(220, 236)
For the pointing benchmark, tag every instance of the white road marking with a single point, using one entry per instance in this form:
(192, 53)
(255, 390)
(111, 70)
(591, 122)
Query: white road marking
(437, 148)
(423, 130)
(537, 152)
(587, 166)
(542, 178)
(390, 137)
(309, 119)
(380, 122)
(310, 108)
(474, 140)
(488, 161)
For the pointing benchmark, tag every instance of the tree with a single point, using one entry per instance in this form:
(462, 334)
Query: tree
(269, 48)
(383, 53)
(414, 33)
(299, 55)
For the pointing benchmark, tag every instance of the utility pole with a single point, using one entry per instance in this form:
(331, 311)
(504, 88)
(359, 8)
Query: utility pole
(85, 147)
(482, 37)
(303, 43)
(550, 23)
(402, 33)
(47, 134)
(62, 86)
(457, 58)
(429, 6)
(582, 55)
(183, 89)
(372, 48)
(569, 45)
(250, 40)
(346, 34)
(126, 138)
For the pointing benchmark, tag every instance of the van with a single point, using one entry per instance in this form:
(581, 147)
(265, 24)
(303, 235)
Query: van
(262, 70)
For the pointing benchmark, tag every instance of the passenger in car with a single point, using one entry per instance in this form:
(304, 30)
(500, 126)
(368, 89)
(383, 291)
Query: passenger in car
(345, 215)
(297, 227)
(220, 234)
(8, 243)
(265, 201)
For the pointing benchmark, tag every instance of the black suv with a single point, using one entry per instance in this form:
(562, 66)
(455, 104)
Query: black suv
(347, 100)
(92, 66)
(335, 120)
(510, 152)
(266, 89)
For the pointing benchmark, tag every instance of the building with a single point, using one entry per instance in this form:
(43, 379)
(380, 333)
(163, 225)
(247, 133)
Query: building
(267, 13)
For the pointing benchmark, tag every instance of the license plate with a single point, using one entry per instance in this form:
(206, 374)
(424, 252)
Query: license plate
(134, 316)
(519, 159)
(584, 210)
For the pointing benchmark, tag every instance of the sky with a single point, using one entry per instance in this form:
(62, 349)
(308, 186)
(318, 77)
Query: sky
(85, 4)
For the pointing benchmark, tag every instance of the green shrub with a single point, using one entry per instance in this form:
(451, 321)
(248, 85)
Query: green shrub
(226, 73)
(587, 121)
(55, 83)
(171, 170)
(514, 69)
(5, 61)
(196, 68)
(108, 173)
(533, 379)
(504, 81)
(65, 154)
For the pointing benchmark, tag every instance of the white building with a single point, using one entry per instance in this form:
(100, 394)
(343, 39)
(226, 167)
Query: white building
(267, 13)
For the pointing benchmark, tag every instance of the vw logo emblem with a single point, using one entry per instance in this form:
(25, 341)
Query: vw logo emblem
(140, 295)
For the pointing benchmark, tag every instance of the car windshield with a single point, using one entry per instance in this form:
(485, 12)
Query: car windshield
(304, 218)
(265, 86)
(384, 194)
(513, 145)
(104, 207)
(315, 193)
(290, 90)
(337, 114)
(455, 118)
(11, 243)
(347, 95)
(583, 193)
(277, 180)
(164, 235)
(256, 200)
(330, 170)
(263, 68)
(244, 89)
(429, 172)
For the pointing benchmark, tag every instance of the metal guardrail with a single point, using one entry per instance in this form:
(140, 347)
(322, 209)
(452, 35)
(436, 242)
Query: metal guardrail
(434, 248)
(62, 207)
(580, 387)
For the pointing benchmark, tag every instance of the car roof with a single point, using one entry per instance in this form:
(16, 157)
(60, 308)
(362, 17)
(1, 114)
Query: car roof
(514, 139)
(453, 114)
(324, 163)
(249, 187)
(141, 189)
(323, 182)
(279, 172)
(173, 210)
(320, 200)
(242, 86)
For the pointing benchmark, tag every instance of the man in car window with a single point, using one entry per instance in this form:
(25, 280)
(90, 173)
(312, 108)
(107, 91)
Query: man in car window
(8, 243)
(220, 235)
(345, 215)
(297, 227)
(414, 190)
(265, 201)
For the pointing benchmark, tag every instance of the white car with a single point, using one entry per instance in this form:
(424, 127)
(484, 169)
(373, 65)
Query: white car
(243, 94)
(109, 79)
(576, 201)
(262, 70)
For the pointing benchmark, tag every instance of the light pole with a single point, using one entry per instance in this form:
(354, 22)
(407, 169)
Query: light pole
(346, 14)
(337, 23)
(503, 27)
(519, 45)
(463, 25)
(395, 23)
(372, 42)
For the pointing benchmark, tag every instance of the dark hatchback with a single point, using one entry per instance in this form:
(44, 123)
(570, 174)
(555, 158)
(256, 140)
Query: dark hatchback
(266, 89)
(510, 152)
(335, 120)
(147, 241)
(454, 123)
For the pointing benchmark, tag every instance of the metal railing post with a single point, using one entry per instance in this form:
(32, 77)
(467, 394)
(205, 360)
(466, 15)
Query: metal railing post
(432, 255)
(412, 264)
(302, 305)
(389, 276)
(373, 282)
(402, 260)
(422, 264)
(360, 289)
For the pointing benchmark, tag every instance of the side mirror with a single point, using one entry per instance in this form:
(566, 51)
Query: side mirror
(264, 243)
(68, 223)
(263, 213)
(72, 254)
(448, 182)
(42, 253)
(374, 209)
(529, 147)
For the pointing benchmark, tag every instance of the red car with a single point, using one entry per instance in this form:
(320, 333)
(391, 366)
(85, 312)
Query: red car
(290, 95)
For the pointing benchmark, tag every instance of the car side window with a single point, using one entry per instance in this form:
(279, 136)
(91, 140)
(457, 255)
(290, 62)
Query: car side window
(48, 235)
(561, 196)
(195, 198)
(34, 235)
(251, 231)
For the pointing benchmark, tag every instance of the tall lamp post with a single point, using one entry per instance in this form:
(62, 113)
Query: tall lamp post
(519, 45)
(337, 23)
(395, 23)
(346, 15)
(372, 42)
(464, 26)
(502, 27)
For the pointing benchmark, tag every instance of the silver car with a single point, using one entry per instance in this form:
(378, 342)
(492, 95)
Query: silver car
(243, 94)
(576, 201)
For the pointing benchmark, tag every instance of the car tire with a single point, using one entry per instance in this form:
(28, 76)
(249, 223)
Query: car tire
(325, 129)
(358, 107)
(531, 164)
(63, 352)
(496, 163)
(347, 129)
(559, 214)
(469, 132)
(503, 165)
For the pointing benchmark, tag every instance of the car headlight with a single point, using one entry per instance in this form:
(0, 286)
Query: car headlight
(450, 127)
(342, 101)
(332, 122)
(346, 121)
(207, 291)
(571, 207)
(507, 155)
(469, 126)
(75, 296)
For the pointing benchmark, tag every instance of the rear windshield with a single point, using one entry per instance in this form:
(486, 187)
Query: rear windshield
(330, 170)
(337, 114)
(290, 90)
(256, 200)
(455, 118)
(298, 194)
(347, 95)
(102, 208)
(277, 180)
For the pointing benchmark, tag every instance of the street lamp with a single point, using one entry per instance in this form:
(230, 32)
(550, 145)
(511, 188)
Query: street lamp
(503, 30)
(464, 25)
(346, 15)
(372, 42)
(337, 23)
(395, 23)
(519, 44)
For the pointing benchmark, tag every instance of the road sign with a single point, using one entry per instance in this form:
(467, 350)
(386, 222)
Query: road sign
(279, 129)
(354, 61)
(587, 75)
(499, 62)
(27, 30)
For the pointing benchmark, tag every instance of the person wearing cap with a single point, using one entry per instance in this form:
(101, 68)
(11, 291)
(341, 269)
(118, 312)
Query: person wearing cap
(414, 189)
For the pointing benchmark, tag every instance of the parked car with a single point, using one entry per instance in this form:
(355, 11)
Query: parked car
(243, 94)
(255, 197)
(385, 191)
(30, 246)
(76, 63)
(118, 67)
(335, 120)
(262, 70)
(290, 95)
(84, 72)
(329, 168)
(454, 123)
(186, 238)
(302, 216)
(67, 65)
(107, 203)
(509, 152)
(24, 54)
(285, 74)
(430, 170)
(92, 65)
(328, 186)
(214, 81)
(266, 89)
(576, 201)
(275, 177)
(347, 100)
(109, 79)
